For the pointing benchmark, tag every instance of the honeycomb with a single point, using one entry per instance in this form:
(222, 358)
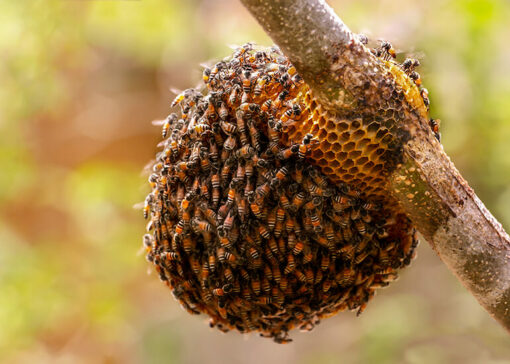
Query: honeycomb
(267, 212)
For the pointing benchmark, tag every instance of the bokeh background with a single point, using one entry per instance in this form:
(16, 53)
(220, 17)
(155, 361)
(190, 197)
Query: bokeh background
(80, 83)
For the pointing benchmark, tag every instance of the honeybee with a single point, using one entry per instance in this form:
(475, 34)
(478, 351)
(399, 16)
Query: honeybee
(386, 51)
(415, 76)
(147, 205)
(206, 75)
(291, 264)
(170, 120)
(409, 65)
(434, 125)
(425, 96)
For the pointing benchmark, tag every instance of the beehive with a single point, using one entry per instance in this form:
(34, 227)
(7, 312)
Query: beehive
(266, 212)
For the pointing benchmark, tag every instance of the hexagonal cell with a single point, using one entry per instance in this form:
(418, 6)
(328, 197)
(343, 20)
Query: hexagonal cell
(330, 125)
(322, 121)
(317, 154)
(327, 170)
(335, 163)
(373, 127)
(322, 134)
(349, 146)
(355, 124)
(341, 126)
(345, 137)
(348, 163)
(370, 148)
(332, 137)
(377, 168)
(362, 161)
(387, 139)
(381, 133)
(330, 155)
(358, 134)
(353, 170)
(341, 155)
(336, 147)
(362, 143)
(354, 155)
(322, 162)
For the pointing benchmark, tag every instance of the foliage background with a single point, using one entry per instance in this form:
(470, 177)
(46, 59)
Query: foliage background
(81, 82)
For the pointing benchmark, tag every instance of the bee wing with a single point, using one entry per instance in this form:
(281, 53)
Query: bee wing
(175, 91)
(157, 122)
(138, 206)
(419, 55)
(233, 46)
(147, 169)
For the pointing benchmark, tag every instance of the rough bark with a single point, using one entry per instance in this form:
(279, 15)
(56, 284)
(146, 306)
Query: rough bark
(425, 182)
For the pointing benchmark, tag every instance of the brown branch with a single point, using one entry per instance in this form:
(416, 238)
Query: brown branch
(346, 77)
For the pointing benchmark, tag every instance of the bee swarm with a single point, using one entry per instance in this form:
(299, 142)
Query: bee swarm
(267, 213)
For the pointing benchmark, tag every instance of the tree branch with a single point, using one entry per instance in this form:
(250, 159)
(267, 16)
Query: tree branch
(348, 79)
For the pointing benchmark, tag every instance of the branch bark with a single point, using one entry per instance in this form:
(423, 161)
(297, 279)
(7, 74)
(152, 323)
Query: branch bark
(344, 75)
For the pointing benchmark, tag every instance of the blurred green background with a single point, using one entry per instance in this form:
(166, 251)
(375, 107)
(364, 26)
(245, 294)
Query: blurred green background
(80, 82)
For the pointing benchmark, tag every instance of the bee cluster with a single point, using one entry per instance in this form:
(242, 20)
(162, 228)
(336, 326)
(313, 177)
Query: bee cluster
(243, 226)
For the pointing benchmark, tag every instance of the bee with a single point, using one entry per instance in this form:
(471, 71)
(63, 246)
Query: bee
(179, 98)
(246, 81)
(434, 125)
(170, 120)
(291, 264)
(261, 82)
(254, 135)
(266, 106)
(245, 152)
(256, 209)
(266, 287)
(425, 96)
(265, 300)
(227, 273)
(415, 76)
(255, 284)
(305, 146)
(219, 292)
(229, 220)
(246, 295)
(284, 283)
(223, 113)
(188, 199)
(206, 75)
(224, 240)
(279, 100)
(409, 65)
(386, 51)
(325, 262)
(228, 128)
(361, 257)
(212, 262)
(264, 231)
(347, 252)
(200, 226)
(288, 152)
(234, 95)
(147, 205)
(187, 244)
(247, 47)
(300, 276)
(286, 115)
(284, 202)
(340, 203)
(363, 39)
